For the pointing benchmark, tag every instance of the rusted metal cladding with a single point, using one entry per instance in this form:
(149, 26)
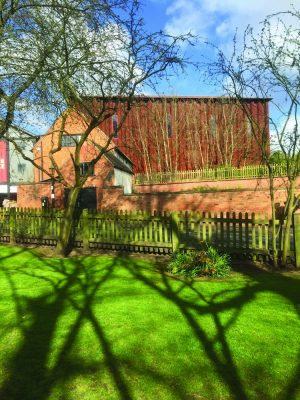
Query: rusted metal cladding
(3, 162)
(172, 134)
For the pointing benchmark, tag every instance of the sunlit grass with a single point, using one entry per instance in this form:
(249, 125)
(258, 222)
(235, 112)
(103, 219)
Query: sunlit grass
(117, 328)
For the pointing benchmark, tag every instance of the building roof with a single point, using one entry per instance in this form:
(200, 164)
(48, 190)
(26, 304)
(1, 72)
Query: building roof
(117, 162)
(183, 98)
(15, 132)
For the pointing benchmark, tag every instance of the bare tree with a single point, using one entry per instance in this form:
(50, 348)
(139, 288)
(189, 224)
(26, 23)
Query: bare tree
(29, 33)
(268, 66)
(85, 55)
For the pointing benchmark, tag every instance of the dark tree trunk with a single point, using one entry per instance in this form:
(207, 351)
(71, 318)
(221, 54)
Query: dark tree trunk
(65, 243)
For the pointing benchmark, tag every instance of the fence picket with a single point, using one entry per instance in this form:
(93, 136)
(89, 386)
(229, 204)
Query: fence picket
(247, 239)
(260, 232)
(222, 229)
(240, 231)
(219, 173)
(203, 225)
(234, 230)
(228, 230)
(253, 233)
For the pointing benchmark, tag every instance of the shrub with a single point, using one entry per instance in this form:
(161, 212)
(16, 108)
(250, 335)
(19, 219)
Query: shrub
(208, 262)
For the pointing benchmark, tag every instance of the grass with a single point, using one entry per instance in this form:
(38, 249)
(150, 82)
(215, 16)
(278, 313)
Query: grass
(118, 328)
(207, 189)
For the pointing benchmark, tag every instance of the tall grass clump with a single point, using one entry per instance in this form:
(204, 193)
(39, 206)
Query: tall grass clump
(192, 263)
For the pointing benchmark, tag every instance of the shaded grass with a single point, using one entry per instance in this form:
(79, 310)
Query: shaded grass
(119, 328)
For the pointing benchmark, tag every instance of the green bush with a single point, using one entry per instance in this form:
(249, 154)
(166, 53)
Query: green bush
(194, 263)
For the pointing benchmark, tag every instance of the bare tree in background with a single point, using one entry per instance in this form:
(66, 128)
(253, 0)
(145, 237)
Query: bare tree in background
(175, 134)
(268, 66)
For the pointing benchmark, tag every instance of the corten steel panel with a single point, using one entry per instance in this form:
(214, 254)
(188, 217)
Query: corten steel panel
(206, 132)
(3, 161)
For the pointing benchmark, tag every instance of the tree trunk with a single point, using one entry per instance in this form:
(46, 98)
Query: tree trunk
(289, 214)
(65, 243)
(274, 233)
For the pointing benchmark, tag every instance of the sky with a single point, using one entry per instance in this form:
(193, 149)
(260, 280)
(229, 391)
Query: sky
(214, 21)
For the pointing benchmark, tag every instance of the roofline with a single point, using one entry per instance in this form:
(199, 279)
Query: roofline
(123, 167)
(121, 151)
(170, 97)
(22, 130)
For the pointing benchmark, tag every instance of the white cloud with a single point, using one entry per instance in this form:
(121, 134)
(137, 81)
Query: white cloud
(219, 18)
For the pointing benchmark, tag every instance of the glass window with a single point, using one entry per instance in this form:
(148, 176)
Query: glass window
(21, 168)
(84, 169)
(115, 125)
(169, 125)
(70, 140)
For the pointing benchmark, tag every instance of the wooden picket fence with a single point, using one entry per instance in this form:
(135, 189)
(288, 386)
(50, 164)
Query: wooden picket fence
(26, 226)
(210, 174)
(238, 234)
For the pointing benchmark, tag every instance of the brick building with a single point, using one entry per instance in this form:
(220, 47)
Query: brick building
(159, 134)
(114, 169)
(170, 133)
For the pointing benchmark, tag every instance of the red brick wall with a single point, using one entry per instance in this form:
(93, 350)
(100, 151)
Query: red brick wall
(30, 195)
(252, 200)
(261, 183)
(257, 201)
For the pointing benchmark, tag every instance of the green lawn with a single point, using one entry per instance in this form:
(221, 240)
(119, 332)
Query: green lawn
(116, 328)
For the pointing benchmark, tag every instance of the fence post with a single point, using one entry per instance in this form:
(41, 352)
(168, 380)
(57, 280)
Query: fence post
(297, 237)
(85, 229)
(12, 225)
(174, 219)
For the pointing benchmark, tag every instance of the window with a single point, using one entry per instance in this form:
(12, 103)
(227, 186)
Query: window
(84, 169)
(70, 140)
(115, 125)
(21, 168)
(22, 144)
(169, 125)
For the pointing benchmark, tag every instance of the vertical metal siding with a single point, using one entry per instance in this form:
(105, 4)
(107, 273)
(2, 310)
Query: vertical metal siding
(143, 137)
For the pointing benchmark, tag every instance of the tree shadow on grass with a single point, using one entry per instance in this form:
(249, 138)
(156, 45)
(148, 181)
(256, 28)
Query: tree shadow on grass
(223, 362)
(285, 285)
(79, 286)
(75, 287)
(29, 376)
(214, 305)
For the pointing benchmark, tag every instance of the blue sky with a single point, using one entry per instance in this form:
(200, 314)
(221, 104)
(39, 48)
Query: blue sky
(214, 21)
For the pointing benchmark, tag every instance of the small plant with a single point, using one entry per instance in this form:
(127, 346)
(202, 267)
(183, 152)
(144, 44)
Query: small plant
(208, 262)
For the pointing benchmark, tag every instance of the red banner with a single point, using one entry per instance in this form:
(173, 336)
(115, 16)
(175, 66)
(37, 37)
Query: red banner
(3, 161)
